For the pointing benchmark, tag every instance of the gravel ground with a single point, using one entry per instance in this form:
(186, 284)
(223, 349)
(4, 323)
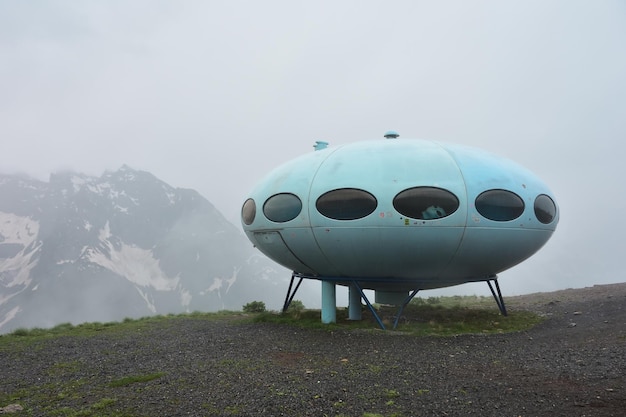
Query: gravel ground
(572, 364)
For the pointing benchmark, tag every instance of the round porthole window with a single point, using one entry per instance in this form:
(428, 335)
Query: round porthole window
(248, 211)
(426, 203)
(500, 205)
(545, 209)
(282, 207)
(346, 204)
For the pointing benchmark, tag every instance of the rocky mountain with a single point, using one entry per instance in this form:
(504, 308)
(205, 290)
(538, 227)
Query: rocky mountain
(125, 244)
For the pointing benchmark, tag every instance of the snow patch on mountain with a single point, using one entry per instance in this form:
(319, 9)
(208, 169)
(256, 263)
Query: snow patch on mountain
(10, 315)
(148, 299)
(185, 298)
(17, 229)
(77, 182)
(219, 283)
(135, 264)
(22, 233)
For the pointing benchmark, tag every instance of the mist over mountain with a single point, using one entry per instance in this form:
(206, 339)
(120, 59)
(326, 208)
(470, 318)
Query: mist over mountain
(125, 244)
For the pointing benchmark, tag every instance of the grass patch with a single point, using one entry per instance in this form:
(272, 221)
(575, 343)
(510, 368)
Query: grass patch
(128, 324)
(64, 399)
(435, 316)
(442, 320)
(438, 316)
(310, 319)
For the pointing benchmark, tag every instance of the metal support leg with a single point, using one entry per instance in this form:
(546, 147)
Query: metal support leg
(354, 303)
(497, 297)
(369, 305)
(290, 295)
(407, 300)
(329, 302)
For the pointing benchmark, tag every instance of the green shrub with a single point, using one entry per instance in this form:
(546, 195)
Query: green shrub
(22, 331)
(254, 307)
(296, 306)
(433, 300)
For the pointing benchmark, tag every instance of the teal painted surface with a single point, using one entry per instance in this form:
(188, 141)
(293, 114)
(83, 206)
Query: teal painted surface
(461, 247)
(354, 303)
(329, 302)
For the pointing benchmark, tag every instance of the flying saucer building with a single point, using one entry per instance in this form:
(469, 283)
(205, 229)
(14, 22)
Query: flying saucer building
(397, 216)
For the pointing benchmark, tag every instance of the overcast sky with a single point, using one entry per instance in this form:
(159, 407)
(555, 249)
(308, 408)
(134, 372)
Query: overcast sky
(212, 95)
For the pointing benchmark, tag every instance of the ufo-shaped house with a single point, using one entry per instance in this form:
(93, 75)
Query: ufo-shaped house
(397, 216)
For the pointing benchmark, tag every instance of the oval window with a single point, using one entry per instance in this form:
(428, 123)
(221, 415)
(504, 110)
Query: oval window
(248, 211)
(500, 205)
(426, 203)
(346, 204)
(545, 209)
(283, 207)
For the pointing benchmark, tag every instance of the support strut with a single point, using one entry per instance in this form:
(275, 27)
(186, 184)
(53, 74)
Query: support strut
(497, 293)
(369, 305)
(290, 295)
(498, 296)
(407, 300)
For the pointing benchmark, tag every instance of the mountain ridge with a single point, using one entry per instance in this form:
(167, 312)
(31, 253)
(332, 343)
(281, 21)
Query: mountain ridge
(125, 244)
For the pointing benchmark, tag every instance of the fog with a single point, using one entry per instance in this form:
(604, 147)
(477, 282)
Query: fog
(213, 95)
